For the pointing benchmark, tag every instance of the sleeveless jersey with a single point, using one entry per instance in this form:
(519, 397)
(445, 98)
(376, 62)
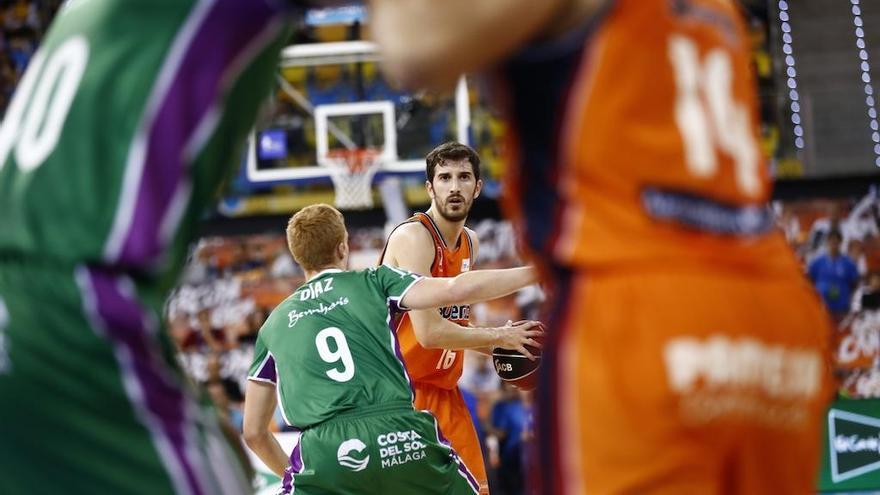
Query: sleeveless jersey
(127, 119)
(635, 140)
(330, 347)
(439, 367)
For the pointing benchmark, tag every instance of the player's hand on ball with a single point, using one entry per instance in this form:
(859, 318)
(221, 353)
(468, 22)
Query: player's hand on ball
(520, 336)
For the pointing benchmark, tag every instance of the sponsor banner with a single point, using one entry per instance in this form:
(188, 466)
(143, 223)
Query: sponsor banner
(851, 446)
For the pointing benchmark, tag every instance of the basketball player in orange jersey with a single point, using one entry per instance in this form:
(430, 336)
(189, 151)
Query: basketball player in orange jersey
(686, 353)
(438, 243)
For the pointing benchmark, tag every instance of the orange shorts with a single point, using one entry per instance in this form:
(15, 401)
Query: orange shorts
(683, 382)
(452, 414)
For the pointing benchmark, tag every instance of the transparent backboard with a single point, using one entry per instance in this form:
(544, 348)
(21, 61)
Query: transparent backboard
(332, 96)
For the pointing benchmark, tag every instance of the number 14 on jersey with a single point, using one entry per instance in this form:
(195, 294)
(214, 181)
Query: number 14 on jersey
(709, 118)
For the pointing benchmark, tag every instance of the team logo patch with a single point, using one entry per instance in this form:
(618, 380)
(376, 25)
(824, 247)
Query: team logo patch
(465, 264)
(345, 458)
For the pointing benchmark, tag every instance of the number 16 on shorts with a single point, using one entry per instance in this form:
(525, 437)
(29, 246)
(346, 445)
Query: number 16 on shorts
(447, 359)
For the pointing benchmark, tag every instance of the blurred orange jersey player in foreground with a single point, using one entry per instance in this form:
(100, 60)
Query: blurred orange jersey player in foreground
(687, 352)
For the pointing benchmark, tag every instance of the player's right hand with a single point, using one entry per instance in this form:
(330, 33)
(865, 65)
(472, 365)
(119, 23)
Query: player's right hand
(516, 336)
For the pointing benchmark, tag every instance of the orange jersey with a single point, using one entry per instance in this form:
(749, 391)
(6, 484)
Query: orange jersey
(636, 140)
(732, 436)
(438, 367)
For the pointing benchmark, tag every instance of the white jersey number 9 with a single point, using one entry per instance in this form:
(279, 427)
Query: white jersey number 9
(342, 353)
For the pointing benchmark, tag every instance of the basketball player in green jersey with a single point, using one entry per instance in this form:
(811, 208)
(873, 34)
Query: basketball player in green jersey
(329, 355)
(118, 136)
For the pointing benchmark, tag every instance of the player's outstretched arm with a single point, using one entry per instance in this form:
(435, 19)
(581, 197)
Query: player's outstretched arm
(428, 44)
(259, 407)
(469, 287)
(435, 332)
(411, 247)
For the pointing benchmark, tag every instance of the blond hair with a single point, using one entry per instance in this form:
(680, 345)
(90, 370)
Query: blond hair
(313, 234)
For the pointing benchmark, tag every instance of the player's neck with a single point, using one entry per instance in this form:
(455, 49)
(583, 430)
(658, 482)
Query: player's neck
(310, 274)
(449, 229)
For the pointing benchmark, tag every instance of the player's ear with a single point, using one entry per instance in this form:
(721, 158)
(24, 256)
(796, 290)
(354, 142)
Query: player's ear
(342, 250)
(430, 188)
(478, 188)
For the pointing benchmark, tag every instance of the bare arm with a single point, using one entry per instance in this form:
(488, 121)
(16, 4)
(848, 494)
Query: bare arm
(439, 333)
(429, 44)
(411, 247)
(259, 406)
(469, 287)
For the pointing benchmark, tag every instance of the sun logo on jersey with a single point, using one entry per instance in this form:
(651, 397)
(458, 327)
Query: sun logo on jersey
(343, 455)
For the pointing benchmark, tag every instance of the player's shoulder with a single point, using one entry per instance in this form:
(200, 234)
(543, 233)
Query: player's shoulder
(369, 275)
(380, 278)
(470, 233)
(410, 234)
(475, 242)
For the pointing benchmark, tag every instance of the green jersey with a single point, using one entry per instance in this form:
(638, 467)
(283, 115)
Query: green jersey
(119, 134)
(330, 349)
(126, 121)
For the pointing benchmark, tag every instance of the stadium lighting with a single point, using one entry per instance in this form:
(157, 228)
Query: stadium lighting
(865, 67)
(791, 75)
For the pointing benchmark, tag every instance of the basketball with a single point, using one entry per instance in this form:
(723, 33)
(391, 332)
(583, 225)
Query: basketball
(517, 369)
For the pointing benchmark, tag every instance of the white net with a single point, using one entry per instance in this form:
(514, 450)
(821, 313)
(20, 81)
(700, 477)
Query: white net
(352, 172)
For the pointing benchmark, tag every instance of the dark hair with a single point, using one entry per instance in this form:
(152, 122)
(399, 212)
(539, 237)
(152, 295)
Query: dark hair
(451, 151)
(836, 234)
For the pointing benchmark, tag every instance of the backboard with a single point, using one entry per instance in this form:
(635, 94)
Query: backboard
(332, 96)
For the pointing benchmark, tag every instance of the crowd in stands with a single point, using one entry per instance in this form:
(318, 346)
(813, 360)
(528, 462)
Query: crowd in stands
(24, 22)
(838, 242)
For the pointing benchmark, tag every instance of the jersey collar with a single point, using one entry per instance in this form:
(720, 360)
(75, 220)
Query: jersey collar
(325, 272)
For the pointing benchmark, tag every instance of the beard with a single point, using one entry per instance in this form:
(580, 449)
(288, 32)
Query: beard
(456, 212)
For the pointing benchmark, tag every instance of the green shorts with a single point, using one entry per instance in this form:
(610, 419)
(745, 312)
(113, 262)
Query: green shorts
(383, 449)
(90, 398)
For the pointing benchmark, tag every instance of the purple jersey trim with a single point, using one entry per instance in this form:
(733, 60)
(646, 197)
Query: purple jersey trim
(394, 316)
(266, 372)
(296, 467)
(224, 33)
(462, 468)
(156, 396)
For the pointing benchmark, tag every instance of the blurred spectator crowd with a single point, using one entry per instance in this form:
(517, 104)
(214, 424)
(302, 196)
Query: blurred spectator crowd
(24, 22)
(838, 242)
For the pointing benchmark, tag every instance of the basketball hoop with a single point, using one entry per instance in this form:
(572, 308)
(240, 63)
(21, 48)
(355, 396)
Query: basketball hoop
(352, 172)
